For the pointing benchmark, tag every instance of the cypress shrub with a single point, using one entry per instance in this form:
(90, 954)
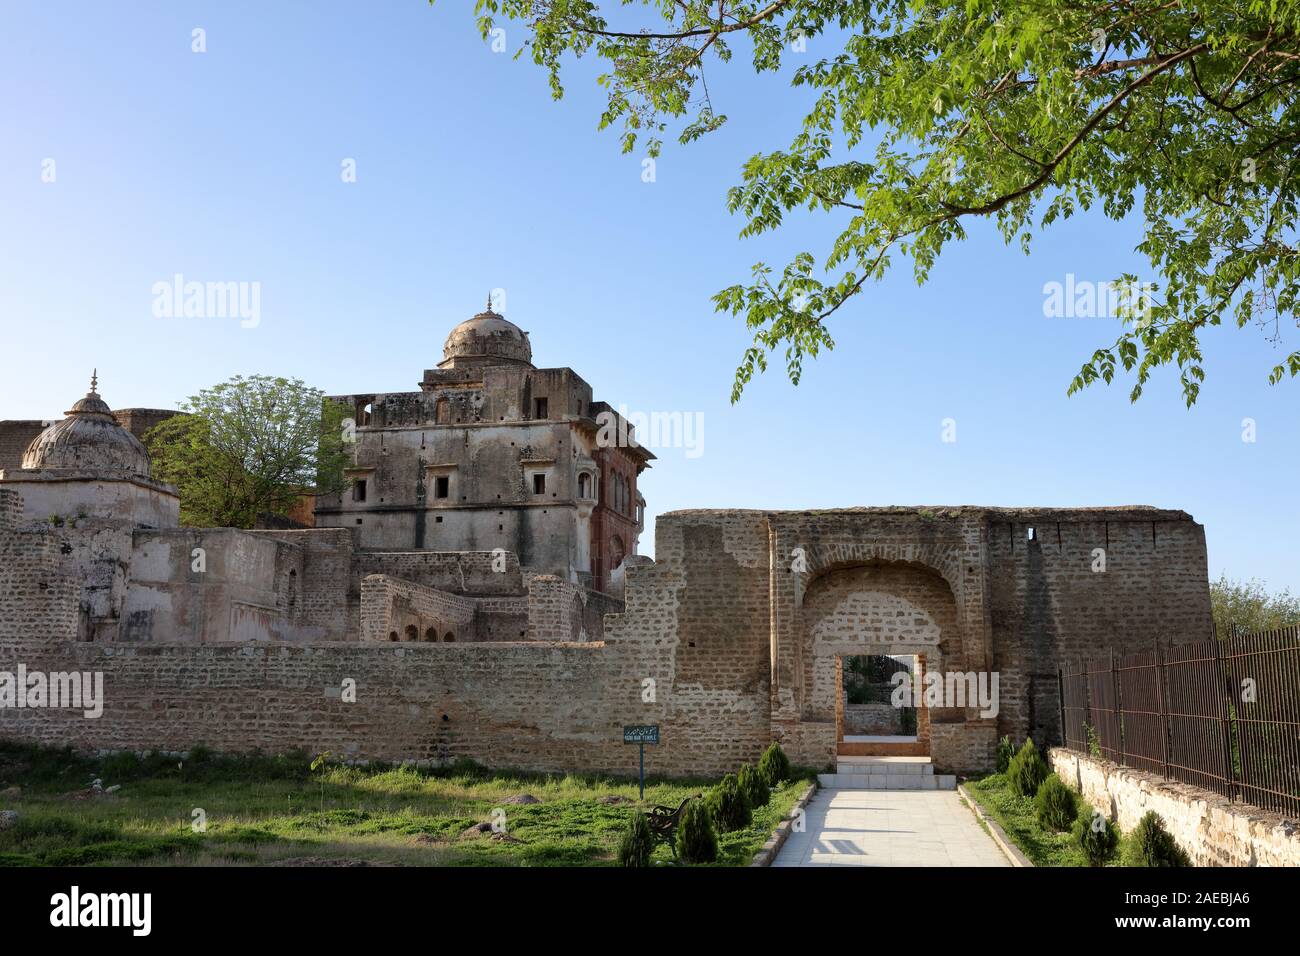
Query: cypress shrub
(754, 787)
(696, 840)
(774, 765)
(1097, 837)
(1054, 805)
(1006, 750)
(1150, 844)
(1027, 770)
(638, 842)
(728, 805)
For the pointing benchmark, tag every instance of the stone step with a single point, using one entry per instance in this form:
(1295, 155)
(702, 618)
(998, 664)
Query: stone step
(884, 765)
(898, 781)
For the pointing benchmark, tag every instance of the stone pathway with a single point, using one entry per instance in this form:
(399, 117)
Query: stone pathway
(889, 828)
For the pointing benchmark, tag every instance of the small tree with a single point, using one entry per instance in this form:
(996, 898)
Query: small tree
(1054, 805)
(728, 805)
(638, 843)
(1150, 844)
(774, 765)
(1097, 837)
(754, 787)
(250, 446)
(1027, 770)
(697, 842)
(1006, 750)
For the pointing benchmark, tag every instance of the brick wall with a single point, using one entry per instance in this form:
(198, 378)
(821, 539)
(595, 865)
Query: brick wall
(712, 643)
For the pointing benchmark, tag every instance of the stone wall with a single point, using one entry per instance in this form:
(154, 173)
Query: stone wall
(1212, 829)
(716, 642)
(393, 610)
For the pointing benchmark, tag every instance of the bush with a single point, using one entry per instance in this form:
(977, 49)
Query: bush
(638, 842)
(728, 805)
(1150, 844)
(754, 787)
(696, 840)
(1054, 805)
(1027, 771)
(1006, 750)
(774, 765)
(1097, 837)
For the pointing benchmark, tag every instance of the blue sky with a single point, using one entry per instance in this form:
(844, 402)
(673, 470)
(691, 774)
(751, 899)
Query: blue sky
(225, 166)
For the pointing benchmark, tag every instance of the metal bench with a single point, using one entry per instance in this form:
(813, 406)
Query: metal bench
(664, 820)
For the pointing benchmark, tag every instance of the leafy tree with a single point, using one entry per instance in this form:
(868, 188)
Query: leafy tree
(1027, 770)
(249, 446)
(1096, 836)
(753, 786)
(774, 765)
(1247, 605)
(638, 842)
(697, 841)
(926, 115)
(1054, 805)
(1150, 844)
(729, 805)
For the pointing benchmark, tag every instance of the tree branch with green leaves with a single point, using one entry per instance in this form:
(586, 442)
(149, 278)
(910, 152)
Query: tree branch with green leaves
(924, 116)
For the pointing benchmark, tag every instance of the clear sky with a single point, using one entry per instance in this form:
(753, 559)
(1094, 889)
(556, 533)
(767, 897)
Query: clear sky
(225, 166)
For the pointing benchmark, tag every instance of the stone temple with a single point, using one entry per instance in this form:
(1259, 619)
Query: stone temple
(476, 592)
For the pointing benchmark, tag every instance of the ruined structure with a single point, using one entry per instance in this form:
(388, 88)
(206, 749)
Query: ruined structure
(388, 633)
(490, 453)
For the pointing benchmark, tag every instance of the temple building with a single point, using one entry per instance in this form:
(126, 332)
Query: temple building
(490, 453)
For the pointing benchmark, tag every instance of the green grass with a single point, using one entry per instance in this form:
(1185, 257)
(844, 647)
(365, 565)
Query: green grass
(266, 810)
(1016, 816)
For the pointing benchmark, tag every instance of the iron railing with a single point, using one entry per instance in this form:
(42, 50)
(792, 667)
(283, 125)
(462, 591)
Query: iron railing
(1221, 714)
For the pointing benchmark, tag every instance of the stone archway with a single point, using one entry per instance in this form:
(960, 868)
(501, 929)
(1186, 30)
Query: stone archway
(876, 608)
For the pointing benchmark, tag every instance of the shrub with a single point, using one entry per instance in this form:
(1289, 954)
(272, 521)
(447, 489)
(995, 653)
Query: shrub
(1094, 742)
(728, 805)
(638, 842)
(1027, 771)
(1006, 750)
(1150, 844)
(774, 765)
(754, 787)
(1054, 805)
(696, 840)
(1097, 837)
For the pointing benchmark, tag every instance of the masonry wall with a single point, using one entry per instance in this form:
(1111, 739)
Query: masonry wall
(705, 632)
(1213, 830)
(1049, 603)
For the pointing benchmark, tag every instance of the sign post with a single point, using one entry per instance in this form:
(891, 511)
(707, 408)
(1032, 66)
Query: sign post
(641, 734)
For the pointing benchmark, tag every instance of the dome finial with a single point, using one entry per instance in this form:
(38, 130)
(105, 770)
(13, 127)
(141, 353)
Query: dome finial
(94, 380)
(489, 304)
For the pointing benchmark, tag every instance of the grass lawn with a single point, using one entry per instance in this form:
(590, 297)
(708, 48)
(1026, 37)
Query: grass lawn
(262, 810)
(1016, 816)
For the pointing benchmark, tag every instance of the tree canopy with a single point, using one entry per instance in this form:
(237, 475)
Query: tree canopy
(1248, 606)
(927, 114)
(249, 446)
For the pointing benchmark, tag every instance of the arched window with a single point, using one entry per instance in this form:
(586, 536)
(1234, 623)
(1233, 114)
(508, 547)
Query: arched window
(449, 636)
(412, 632)
(584, 481)
(392, 635)
(430, 635)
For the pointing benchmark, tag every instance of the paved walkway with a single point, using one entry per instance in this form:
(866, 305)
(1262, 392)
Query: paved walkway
(889, 828)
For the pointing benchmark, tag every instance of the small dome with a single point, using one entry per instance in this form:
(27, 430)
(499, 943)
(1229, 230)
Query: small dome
(89, 439)
(486, 339)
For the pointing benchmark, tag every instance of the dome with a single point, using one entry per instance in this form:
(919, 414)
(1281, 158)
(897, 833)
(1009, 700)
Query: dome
(486, 339)
(89, 439)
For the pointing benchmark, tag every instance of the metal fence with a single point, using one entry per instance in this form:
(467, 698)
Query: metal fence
(1220, 714)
